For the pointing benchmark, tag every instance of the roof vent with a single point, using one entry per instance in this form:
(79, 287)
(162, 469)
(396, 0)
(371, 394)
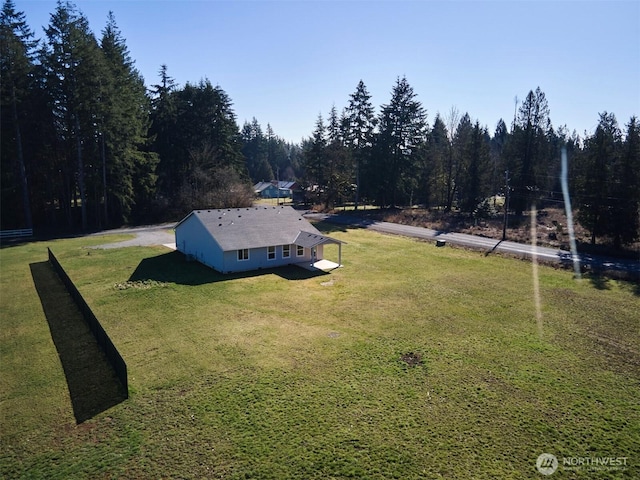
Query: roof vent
(239, 216)
(219, 224)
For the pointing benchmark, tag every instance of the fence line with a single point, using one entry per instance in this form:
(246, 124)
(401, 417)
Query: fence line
(17, 233)
(105, 343)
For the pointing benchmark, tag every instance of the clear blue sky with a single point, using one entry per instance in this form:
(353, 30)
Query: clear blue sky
(286, 62)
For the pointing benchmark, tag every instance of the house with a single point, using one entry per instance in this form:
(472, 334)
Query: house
(242, 239)
(275, 189)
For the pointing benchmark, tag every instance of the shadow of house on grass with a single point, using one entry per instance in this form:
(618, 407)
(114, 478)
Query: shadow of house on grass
(92, 382)
(173, 267)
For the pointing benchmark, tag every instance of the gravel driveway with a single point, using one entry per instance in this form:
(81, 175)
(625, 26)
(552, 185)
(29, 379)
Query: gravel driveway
(145, 236)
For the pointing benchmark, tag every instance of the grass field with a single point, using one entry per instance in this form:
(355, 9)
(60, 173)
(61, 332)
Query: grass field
(410, 362)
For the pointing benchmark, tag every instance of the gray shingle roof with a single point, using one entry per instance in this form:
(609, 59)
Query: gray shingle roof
(309, 239)
(260, 186)
(254, 227)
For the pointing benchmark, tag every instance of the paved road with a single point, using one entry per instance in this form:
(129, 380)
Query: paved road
(483, 243)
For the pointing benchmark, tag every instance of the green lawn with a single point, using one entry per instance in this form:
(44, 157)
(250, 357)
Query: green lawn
(286, 375)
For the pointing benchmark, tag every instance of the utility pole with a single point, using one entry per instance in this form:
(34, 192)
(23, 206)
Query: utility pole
(506, 205)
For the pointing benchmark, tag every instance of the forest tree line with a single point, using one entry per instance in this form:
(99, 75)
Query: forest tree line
(86, 145)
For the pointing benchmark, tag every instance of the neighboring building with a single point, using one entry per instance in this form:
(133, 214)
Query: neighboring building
(242, 239)
(275, 189)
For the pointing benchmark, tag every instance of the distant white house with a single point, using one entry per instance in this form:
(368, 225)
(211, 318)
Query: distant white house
(243, 239)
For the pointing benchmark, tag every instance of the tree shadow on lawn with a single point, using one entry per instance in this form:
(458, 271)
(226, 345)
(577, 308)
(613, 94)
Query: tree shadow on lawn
(173, 267)
(92, 382)
(328, 227)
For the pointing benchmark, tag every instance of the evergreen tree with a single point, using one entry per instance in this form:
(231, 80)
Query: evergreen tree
(625, 191)
(401, 138)
(529, 167)
(208, 136)
(452, 168)
(75, 70)
(498, 163)
(337, 170)
(438, 154)
(128, 172)
(164, 118)
(359, 124)
(16, 71)
(334, 129)
(206, 117)
(462, 151)
(195, 134)
(270, 138)
(255, 151)
(278, 154)
(474, 176)
(596, 188)
(314, 153)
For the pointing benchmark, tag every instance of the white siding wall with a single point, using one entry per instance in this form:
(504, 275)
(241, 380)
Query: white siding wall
(193, 239)
(258, 259)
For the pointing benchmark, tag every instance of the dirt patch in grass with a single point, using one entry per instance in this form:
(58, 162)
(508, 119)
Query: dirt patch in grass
(139, 284)
(412, 359)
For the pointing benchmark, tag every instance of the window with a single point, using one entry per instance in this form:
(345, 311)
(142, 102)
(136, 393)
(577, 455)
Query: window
(286, 251)
(299, 250)
(243, 254)
(271, 253)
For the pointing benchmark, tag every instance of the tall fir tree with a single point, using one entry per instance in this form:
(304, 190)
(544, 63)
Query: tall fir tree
(17, 49)
(128, 170)
(452, 168)
(403, 126)
(314, 153)
(163, 135)
(625, 191)
(461, 148)
(336, 169)
(359, 130)
(438, 154)
(474, 186)
(197, 138)
(529, 165)
(75, 71)
(498, 164)
(596, 187)
(255, 150)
